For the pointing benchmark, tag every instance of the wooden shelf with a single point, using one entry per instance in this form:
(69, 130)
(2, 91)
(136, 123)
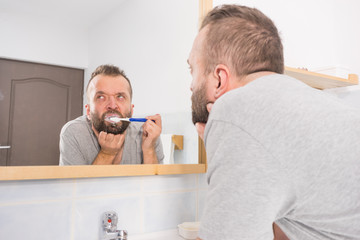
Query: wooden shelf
(89, 171)
(321, 81)
(56, 172)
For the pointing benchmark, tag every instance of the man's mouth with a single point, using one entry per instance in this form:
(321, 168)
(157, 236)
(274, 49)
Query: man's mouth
(112, 118)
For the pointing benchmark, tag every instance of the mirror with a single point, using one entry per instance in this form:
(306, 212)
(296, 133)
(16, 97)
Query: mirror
(150, 40)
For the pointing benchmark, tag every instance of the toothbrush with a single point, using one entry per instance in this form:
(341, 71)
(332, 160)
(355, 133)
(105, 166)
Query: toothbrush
(117, 119)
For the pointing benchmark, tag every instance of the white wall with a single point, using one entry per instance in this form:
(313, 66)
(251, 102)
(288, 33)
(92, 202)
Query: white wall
(322, 36)
(150, 41)
(38, 39)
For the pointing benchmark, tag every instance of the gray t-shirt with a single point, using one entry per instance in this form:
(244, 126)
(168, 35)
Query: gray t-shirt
(79, 144)
(281, 151)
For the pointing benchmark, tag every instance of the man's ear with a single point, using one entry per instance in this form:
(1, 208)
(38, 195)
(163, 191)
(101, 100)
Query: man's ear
(222, 74)
(132, 109)
(87, 107)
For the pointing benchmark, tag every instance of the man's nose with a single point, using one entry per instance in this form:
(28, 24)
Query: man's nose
(112, 103)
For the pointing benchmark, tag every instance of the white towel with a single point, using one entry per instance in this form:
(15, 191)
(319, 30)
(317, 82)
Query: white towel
(168, 147)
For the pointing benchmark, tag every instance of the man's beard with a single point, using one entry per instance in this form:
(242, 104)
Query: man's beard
(199, 111)
(115, 128)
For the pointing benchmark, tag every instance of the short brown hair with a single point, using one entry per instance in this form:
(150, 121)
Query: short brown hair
(109, 70)
(243, 38)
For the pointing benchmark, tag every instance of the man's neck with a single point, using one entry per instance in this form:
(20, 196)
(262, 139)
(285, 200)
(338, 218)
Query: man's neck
(251, 77)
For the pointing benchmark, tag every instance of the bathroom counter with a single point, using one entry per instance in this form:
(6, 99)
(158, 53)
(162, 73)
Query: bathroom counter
(163, 235)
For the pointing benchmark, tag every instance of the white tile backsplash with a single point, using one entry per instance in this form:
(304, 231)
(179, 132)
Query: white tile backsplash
(35, 190)
(72, 208)
(201, 203)
(107, 186)
(203, 184)
(43, 220)
(170, 183)
(166, 211)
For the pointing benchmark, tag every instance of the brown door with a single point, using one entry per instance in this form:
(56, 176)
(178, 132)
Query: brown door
(36, 100)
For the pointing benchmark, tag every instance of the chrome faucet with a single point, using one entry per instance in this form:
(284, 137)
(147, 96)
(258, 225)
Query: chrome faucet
(109, 224)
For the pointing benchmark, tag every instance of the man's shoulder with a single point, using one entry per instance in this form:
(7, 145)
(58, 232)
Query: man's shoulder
(257, 92)
(78, 124)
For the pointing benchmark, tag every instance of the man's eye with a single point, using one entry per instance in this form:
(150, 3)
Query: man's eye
(100, 97)
(120, 96)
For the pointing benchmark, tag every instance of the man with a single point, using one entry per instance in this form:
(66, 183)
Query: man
(278, 150)
(91, 139)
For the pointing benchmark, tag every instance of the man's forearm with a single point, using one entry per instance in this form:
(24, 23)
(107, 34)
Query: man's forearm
(150, 157)
(104, 159)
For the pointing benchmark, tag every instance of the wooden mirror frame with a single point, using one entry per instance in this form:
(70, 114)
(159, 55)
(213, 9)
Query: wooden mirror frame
(59, 172)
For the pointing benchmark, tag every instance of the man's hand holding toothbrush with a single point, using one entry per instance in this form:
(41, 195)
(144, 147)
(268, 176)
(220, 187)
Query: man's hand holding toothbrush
(151, 132)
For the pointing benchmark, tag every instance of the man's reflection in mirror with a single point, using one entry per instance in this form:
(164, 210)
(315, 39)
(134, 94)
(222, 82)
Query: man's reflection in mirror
(92, 139)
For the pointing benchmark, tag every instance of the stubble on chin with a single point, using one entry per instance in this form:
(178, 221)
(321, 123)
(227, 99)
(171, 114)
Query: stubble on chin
(200, 113)
(101, 125)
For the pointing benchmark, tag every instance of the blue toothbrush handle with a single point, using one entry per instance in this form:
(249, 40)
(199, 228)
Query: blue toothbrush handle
(138, 120)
